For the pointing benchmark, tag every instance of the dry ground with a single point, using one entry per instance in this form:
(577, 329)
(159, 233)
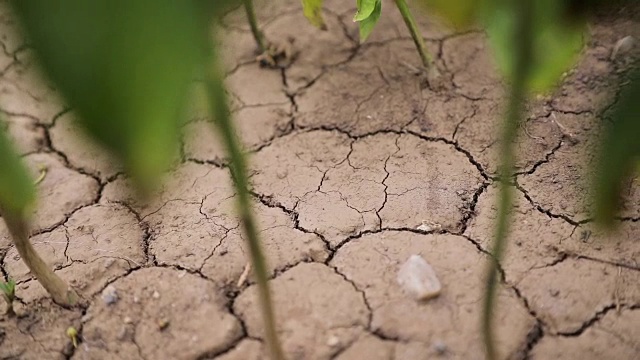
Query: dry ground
(350, 154)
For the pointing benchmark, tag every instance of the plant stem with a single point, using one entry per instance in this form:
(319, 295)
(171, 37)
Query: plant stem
(60, 292)
(222, 120)
(427, 61)
(253, 23)
(522, 63)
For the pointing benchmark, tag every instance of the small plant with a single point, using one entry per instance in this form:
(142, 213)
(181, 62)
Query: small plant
(367, 17)
(72, 334)
(8, 290)
(270, 53)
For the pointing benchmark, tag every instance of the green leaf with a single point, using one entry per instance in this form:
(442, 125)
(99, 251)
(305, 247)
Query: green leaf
(312, 10)
(367, 24)
(125, 67)
(17, 191)
(556, 43)
(8, 288)
(461, 13)
(365, 9)
(620, 153)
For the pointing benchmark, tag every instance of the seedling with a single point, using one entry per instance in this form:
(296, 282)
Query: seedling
(270, 53)
(367, 17)
(72, 333)
(8, 290)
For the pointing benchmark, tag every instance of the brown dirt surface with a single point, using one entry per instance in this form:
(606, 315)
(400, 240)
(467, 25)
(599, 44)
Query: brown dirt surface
(355, 165)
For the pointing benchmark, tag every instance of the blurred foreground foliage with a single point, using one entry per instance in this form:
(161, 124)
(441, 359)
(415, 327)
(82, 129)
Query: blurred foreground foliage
(126, 68)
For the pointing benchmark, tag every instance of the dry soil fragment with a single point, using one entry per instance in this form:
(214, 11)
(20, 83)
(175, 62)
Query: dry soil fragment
(419, 279)
(563, 185)
(96, 245)
(383, 93)
(314, 304)
(23, 132)
(480, 135)
(615, 336)
(256, 126)
(536, 239)
(38, 333)
(371, 262)
(294, 165)
(23, 91)
(470, 60)
(245, 350)
(315, 50)
(194, 308)
(81, 151)
(370, 348)
(283, 246)
(268, 91)
(567, 295)
(61, 191)
(424, 181)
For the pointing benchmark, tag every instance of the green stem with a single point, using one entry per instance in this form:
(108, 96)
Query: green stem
(225, 127)
(253, 23)
(60, 292)
(427, 61)
(522, 64)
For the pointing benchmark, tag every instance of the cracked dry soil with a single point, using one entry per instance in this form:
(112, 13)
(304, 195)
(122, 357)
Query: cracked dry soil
(350, 153)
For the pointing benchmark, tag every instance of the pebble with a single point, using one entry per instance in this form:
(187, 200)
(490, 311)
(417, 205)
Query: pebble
(109, 295)
(333, 341)
(127, 320)
(440, 347)
(419, 279)
(155, 295)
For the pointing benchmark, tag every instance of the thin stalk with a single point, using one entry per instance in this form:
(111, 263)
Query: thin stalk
(225, 127)
(60, 292)
(427, 61)
(522, 64)
(253, 23)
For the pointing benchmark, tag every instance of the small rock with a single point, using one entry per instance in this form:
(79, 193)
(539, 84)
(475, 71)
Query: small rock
(622, 46)
(155, 295)
(281, 174)
(419, 279)
(136, 299)
(163, 324)
(440, 347)
(109, 295)
(333, 341)
(127, 320)
(427, 226)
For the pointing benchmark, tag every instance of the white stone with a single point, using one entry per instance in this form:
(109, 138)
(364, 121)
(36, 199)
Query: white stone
(109, 295)
(418, 278)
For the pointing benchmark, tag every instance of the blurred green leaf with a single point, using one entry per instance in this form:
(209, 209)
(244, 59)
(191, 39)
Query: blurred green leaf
(460, 13)
(125, 67)
(365, 9)
(8, 288)
(367, 24)
(17, 191)
(620, 153)
(556, 43)
(313, 11)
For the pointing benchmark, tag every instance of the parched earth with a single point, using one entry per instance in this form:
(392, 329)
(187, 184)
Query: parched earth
(350, 154)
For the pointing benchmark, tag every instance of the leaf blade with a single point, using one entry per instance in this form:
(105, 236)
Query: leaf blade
(125, 69)
(365, 9)
(366, 25)
(312, 10)
(17, 190)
